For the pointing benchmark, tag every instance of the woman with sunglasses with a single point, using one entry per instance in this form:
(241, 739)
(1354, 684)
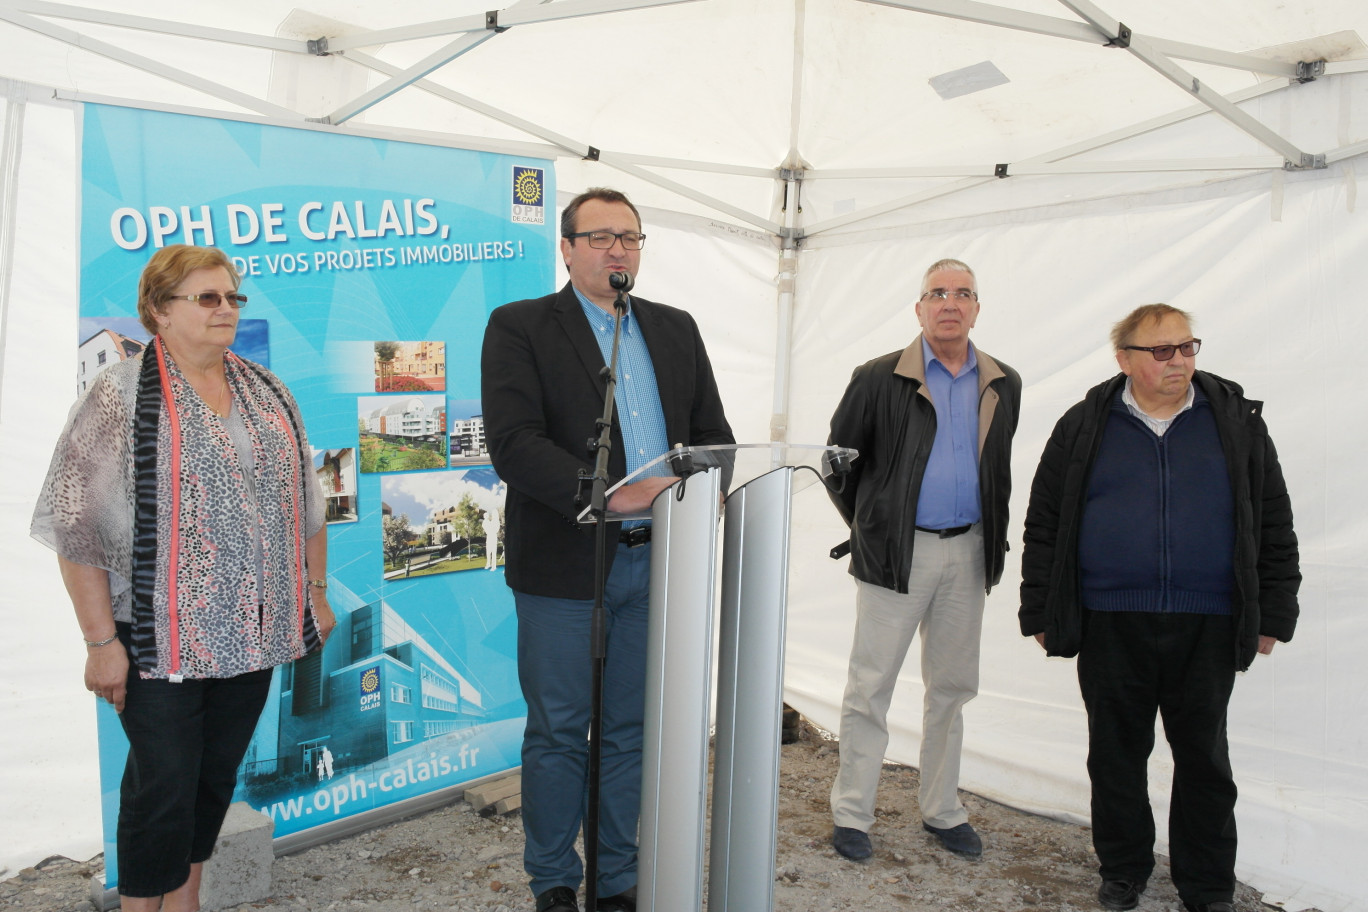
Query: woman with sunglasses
(189, 529)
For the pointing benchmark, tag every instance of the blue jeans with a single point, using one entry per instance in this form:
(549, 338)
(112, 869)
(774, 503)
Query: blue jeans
(555, 670)
(185, 742)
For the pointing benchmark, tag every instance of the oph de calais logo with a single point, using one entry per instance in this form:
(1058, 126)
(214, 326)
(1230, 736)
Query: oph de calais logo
(529, 195)
(370, 688)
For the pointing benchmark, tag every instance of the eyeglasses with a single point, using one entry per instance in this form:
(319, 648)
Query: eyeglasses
(1165, 352)
(604, 240)
(209, 300)
(959, 294)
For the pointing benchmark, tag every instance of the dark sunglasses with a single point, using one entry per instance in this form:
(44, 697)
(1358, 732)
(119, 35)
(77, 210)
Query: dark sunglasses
(1165, 352)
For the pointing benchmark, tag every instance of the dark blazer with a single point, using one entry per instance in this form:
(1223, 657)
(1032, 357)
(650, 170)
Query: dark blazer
(542, 393)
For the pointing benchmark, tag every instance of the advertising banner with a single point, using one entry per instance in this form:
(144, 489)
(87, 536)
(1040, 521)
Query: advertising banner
(370, 268)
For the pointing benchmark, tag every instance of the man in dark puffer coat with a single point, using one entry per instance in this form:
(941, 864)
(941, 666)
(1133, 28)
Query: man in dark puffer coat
(1160, 551)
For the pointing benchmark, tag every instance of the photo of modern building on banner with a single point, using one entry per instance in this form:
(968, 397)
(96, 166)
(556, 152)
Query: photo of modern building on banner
(377, 688)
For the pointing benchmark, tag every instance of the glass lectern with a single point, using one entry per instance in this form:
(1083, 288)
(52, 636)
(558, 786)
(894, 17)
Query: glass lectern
(758, 482)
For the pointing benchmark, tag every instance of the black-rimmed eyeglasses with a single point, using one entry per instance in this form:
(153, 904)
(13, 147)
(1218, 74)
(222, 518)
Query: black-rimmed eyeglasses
(604, 240)
(1165, 352)
(212, 299)
(959, 294)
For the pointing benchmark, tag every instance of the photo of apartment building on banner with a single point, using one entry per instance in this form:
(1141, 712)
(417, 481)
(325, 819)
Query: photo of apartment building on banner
(381, 714)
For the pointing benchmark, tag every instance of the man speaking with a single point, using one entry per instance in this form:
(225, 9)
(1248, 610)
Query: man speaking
(543, 392)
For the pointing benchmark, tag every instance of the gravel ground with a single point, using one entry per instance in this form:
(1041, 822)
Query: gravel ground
(452, 859)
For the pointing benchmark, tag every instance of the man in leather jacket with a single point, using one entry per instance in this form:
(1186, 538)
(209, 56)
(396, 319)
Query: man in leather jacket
(926, 502)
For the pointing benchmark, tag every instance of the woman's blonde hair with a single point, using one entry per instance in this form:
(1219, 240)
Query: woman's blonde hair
(167, 269)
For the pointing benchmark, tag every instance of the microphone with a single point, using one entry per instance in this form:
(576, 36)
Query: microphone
(681, 461)
(621, 281)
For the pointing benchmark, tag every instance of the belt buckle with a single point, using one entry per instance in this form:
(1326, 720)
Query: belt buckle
(635, 538)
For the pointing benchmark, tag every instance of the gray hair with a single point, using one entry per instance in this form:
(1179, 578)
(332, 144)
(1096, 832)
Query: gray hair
(955, 265)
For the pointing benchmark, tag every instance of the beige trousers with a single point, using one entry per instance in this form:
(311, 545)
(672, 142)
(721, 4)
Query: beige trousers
(945, 603)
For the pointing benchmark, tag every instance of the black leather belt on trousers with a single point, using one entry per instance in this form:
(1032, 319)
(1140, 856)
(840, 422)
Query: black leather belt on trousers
(947, 533)
(635, 537)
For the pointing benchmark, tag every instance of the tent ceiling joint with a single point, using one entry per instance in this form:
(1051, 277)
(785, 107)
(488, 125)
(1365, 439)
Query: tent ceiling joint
(591, 154)
(1310, 70)
(318, 47)
(492, 22)
(1000, 170)
(1308, 162)
(1123, 37)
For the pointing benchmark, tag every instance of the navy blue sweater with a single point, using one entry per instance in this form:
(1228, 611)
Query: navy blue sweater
(1158, 527)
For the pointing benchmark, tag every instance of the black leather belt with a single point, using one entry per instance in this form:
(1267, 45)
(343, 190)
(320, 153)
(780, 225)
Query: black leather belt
(636, 537)
(946, 533)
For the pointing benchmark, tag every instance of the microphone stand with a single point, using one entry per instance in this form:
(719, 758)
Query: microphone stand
(598, 645)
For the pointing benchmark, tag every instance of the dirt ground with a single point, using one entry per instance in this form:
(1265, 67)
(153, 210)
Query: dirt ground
(454, 860)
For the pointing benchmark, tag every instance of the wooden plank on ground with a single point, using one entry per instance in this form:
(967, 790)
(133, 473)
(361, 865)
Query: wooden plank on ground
(488, 793)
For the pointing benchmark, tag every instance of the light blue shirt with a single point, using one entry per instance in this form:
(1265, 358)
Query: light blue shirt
(949, 494)
(637, 401)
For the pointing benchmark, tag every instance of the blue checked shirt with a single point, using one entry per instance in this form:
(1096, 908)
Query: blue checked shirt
(637, 402)
(949, 494)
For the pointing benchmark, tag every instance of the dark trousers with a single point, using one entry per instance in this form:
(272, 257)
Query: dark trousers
(1182, 665)
(185, 742)
(554, 667)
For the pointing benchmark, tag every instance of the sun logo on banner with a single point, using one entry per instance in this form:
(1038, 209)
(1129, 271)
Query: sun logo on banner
(529, 196)
(370, 680)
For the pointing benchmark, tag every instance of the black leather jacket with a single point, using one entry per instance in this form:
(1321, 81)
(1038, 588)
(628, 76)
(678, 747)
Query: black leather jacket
(887, 415)
(1267, 572)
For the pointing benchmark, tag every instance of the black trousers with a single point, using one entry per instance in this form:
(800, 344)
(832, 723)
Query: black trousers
(185, 742)
(1131, 665)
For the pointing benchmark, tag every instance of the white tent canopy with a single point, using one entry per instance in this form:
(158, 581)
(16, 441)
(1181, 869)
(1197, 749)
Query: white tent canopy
(799, 163)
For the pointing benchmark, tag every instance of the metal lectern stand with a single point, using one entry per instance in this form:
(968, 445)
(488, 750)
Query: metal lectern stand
(763, 479)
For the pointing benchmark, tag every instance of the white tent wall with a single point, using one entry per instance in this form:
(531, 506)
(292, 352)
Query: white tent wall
(50, 794)
(1278, 305)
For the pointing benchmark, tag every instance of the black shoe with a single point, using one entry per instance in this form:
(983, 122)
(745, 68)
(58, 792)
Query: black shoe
(1209, 907)
(1120, 894)
(961, 839)
(619, 902)
(558, 899)
(852, 843)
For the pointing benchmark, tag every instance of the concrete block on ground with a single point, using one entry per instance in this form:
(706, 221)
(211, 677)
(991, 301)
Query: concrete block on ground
(239, 871)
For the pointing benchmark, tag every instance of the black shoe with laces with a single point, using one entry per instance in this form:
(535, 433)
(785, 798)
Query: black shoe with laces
(1120, 894)
(558, 899)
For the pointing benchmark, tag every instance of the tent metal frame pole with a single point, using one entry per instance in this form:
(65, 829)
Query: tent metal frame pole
(790, 188)
(517, 14)
(374, 131)
(1118, 166)
(156, 26)
(682, 164)
(402, 79)
(1339, 67)
(1346, 152)
(1160, 63)
(574, 147)
(11, 151)
(1089, 145)
(146, 64)
(987, 14)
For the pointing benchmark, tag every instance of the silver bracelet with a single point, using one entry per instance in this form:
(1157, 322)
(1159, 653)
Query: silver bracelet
(96, 644)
